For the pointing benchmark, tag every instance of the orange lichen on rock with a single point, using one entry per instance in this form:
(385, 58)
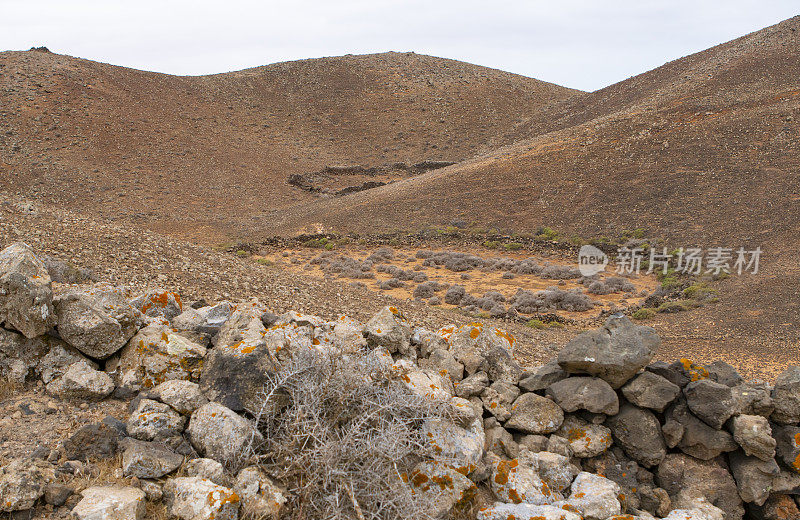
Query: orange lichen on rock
(696, 372)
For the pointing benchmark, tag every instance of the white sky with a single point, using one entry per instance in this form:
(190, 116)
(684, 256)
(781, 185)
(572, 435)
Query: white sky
(584, 44)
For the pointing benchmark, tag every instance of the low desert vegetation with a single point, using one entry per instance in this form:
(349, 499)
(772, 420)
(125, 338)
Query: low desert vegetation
(342, 433)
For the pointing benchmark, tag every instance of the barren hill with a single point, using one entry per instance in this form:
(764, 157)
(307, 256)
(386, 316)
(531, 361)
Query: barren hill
(200, 156)
(701, 151)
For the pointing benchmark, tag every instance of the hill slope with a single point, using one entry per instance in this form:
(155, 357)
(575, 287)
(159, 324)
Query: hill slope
(702, 151)
(201, 155)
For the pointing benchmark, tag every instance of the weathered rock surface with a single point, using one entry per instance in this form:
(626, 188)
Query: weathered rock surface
(157, 354)
(159, 303)
(584, 393)
(650, 390)
(81, 381)
(585, 439)
(148, 459)
(26, 295)
(97, 320)
(594, 497)
(686, 476)
(153, 420)
(260, 497)
(540, 378)
(184, 396)
(220, 433)
(712, 402)
(753, 476)
(698, 439)
(502, 511)
(92, 442)
(638, 433)
(22, 483)
(515, 481)
(754, 435)
(786, 397)
(614, 353)
(459, 447)
(236, 369)
(788, 445)
(194, 498)
(111, 503)
(389, 328)
(208, 469)
(532, 413)
(485, 349)
(441, 486)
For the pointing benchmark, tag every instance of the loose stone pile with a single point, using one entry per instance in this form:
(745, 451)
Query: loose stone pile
(602, 432)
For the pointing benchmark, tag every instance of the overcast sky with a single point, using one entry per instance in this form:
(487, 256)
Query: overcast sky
(584, 44)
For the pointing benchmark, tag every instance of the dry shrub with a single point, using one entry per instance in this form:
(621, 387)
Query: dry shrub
(341, 434)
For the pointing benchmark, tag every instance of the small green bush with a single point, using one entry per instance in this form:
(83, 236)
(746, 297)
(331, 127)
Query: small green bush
(241, 253)
(512, 246)
(556, 325)
(700, 291)
(536, 324)
(548, 233)
(644, 314)
(265, 261)
(491, 244)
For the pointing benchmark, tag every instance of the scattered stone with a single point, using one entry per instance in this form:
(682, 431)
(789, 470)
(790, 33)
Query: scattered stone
(594, 497)
(58, 359)
(81, 381)
(501, 511)
(584, 393)
(554, 469)
(443, 362)
(754, 435)
(540, 378)
(237, 369)
(97, 320)
(650, 390)
(682, 475)
(260, 497)
(157, 354)
(779, 507)
(515, 481)
(389, 328)
(472, 385)
(111, 503)
(485, 349)
(57, 494)
(674, 373)
(638, 433)
(699, 439)
(753, 476)
(712, 402)
(22, 483)
(195, 498)
(786, 396)
(220, 433)
(20, 356)
(153, 420)
(26, 295)
(208, 469)
(92, 442)
(614, 353)
(532, 413)
(441, 486)
(184, 396)
(148, 459)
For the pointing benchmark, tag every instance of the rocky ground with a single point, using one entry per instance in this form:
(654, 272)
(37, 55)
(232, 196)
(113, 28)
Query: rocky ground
(128, 405)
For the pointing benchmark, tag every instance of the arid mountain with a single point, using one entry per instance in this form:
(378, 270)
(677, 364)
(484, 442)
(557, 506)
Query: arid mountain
(198, 156)
(701, 151)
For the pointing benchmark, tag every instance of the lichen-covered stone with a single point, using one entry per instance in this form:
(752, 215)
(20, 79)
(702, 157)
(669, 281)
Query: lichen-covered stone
(26, 295)
(195, 498)
(532, 413)
(220, 433)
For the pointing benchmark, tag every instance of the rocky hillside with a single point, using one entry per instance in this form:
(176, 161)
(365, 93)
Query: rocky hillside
(233, 410)
(209, 157)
